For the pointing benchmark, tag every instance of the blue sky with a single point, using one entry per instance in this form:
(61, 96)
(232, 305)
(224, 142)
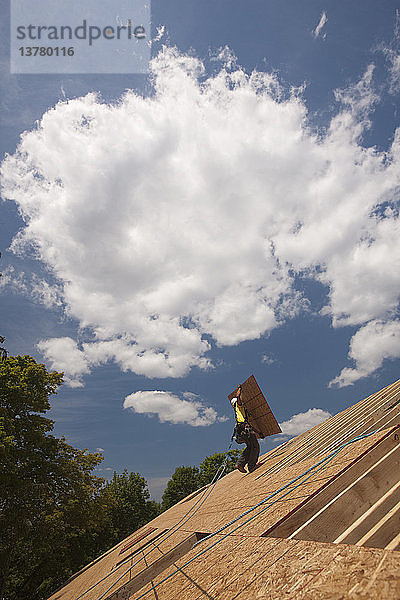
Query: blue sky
(236, 212)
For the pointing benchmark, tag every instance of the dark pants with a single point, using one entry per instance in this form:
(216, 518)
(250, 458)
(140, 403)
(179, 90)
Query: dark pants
(251, 453)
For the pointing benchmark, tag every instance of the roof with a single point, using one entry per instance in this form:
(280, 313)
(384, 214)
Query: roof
(320, 518)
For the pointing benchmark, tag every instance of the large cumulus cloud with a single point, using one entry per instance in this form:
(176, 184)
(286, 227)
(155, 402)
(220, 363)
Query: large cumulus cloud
(178, 220)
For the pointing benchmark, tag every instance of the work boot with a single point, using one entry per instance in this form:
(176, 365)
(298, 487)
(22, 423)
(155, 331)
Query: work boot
(240, 468)
(255, 467)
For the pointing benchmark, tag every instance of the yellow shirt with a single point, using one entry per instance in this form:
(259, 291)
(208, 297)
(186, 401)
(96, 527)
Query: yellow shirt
(240, 414)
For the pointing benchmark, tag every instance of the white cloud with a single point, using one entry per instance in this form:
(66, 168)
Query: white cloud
(368, 348)
(36, 288)
(304, 421)
(99, 449)
(392, 53)
(322, 22)
(172, 409)
(14, 281)
(156, 486)
(395, 70)
(280, 439)
(64, 355)
(160, 33)
(169, 223)
(268, 359)
(226, 57)
(44, 292)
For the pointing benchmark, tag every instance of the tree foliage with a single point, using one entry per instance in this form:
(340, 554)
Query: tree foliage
(3, 351)
(49, 500)
(130, 504)
(183, 482)
(55, 515)
(211, 464)
(186, 480)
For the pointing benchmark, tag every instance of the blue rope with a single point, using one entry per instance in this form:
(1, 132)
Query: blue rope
(319, 464)
(203, 497)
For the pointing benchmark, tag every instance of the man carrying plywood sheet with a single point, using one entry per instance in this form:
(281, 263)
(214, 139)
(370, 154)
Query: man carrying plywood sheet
(244, 434)
(254, 417)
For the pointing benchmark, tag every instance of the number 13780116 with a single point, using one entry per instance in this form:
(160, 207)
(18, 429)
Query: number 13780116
(46, 51)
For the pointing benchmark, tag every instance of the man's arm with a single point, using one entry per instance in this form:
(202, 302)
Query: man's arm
(239, 395)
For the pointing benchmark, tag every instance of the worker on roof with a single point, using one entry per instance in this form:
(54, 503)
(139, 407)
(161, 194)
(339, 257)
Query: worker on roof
(244, 434)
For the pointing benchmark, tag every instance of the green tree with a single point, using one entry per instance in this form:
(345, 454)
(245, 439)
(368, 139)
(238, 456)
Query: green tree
(186, 480)
(129, 503)
(183, 482)
(211, 464)
(3, 351)
(51, 509)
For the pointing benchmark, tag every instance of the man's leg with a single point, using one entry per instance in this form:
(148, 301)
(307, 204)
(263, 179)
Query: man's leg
(254, 452)
(243, 458)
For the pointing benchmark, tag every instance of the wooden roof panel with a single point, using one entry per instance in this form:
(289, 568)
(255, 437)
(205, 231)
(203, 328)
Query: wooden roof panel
(249, 566)
(259, 413)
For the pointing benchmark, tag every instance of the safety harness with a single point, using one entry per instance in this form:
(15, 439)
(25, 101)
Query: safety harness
(242, 429)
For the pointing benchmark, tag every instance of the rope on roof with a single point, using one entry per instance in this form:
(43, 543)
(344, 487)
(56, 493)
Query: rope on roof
(202, 498)
(311, 471)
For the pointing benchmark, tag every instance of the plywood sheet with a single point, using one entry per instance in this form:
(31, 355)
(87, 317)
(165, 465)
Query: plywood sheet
(259, 414)
(245, 565)
(137, 539)
(253, 569)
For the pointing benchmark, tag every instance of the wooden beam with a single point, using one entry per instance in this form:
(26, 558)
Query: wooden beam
(394, 544)
(339, 483)
(137, 539)
(381, 533)
(141, 547)
(157, 567)
(347, 537)
(352, 501)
